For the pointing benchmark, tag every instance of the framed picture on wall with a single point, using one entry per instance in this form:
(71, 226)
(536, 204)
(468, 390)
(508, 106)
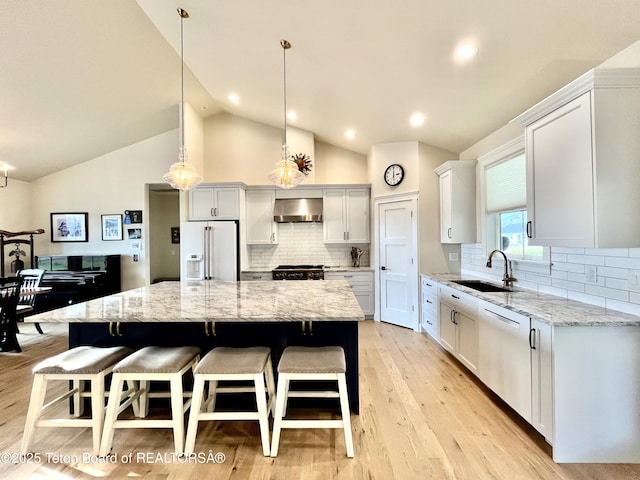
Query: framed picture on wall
(175, 234)
(70, 227)
(111, 227)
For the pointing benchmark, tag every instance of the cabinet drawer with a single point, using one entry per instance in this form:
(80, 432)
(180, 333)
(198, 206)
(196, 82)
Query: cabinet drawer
(461, 301)
(428, 285)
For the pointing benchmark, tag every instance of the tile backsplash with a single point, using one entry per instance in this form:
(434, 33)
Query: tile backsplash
(303, 243)
(607, 277)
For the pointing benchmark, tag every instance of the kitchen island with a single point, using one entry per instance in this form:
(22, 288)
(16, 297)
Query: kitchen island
(209, 313)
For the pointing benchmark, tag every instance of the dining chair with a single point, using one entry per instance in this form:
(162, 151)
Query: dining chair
(31, 281)
(9, 296)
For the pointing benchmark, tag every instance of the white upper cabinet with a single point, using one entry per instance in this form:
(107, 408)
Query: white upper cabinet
(345, 215)
(209, 202)
(457, 201)
(261, 229)
(583, 175)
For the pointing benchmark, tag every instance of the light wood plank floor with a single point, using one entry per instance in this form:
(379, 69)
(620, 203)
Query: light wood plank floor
(422, 416)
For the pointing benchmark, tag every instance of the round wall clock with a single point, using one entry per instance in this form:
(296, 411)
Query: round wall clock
(394, 174)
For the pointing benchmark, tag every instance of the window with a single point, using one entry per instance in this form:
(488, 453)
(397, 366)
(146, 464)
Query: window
(504, 200)
(513, 238)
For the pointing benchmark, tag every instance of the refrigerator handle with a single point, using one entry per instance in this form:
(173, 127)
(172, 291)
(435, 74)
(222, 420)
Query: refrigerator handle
(206, 253)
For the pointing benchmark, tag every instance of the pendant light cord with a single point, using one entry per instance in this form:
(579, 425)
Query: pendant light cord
(183, 14)
(285, 46)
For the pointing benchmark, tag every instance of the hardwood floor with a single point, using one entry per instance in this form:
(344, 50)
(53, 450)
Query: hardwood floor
(421, 416)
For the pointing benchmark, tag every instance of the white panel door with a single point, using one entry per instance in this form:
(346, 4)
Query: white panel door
(398, 269)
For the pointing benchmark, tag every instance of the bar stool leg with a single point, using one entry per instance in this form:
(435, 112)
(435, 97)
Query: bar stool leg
(346, 415)
(283, 381)
(97, 411)
(78, 404)
(177, 412)
(271, 387)
(38, 393)
(115, 396)
(196, 406)
(263, 413)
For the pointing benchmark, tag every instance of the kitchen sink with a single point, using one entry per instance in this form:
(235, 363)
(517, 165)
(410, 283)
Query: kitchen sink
(481, 286)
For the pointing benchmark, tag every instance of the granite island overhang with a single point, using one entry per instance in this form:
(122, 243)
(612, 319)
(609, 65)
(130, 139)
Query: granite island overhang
(209, 313)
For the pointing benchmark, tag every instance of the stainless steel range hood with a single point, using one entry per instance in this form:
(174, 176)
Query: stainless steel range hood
(288, 210)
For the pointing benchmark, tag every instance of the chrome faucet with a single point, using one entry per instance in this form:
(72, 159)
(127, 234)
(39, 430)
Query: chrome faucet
(507, 278)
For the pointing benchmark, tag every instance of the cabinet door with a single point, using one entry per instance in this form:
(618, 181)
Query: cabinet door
(541, 379)
(261, 229)
(201, 203)
(560, 196)
(445, 208)
(505, 365)
(357, 215)
(226, 203)
(447, 327)
(467, 340)
(333, 213)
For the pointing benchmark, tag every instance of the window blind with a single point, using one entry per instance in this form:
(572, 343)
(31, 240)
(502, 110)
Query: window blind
(505, 183)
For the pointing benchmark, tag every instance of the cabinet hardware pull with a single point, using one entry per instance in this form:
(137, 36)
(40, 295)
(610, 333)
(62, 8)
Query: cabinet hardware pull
(532, 337)
(429, 301)
(449, 232)
(118, 334)
(529, 229)
(111, 329)
(348, 276)
(457, 298)
(428, 284)
(429, 322)
(213, 214)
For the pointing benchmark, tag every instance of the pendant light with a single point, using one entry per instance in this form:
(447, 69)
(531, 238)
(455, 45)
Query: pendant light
(286, 174)
(182, 175)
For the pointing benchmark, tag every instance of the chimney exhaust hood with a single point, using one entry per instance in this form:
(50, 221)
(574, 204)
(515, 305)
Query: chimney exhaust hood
(288, 210)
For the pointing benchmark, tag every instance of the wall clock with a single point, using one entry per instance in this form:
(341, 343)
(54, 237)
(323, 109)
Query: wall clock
(394, 174)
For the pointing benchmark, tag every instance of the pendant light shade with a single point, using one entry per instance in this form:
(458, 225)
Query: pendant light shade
(182, 175)
(286, 173)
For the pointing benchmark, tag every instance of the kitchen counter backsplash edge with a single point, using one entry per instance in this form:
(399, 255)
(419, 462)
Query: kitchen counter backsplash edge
(547, 308)
(326, 269)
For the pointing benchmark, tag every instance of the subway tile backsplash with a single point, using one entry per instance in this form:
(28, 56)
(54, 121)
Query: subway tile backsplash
(616, 285)
(303, 243)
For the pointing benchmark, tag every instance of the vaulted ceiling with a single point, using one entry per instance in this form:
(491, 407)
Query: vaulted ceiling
(80, 78)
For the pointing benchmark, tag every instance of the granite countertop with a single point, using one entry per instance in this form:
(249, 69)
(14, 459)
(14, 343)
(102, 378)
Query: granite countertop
(547, 308)
(213, 301)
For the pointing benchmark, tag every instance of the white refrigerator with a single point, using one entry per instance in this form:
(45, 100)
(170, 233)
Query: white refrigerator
(209, 251)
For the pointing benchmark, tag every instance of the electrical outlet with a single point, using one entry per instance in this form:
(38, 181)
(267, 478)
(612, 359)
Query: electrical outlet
(634, 280)
(592, 273)
(453, 257)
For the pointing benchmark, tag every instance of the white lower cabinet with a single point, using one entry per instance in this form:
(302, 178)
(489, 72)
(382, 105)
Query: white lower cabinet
(505, 355)
(459, 325)
(362, 285)
(541, 379)
(429, 320)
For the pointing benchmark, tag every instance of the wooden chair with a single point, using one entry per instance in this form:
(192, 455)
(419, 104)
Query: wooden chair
(31, 281)
(9, 296)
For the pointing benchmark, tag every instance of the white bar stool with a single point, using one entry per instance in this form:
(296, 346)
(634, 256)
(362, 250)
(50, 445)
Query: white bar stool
(145, 365)
(312, 363)
(233, 364)
(80, 364)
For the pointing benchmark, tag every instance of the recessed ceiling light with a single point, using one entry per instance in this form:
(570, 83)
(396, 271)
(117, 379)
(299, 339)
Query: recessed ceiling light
(233, 98)
(417, 120)
(292, 115)
(350, 134)
(466, 51)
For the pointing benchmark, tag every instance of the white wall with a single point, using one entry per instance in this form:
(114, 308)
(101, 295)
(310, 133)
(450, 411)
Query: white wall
(164, 213)
(109, 184)
(241, 150)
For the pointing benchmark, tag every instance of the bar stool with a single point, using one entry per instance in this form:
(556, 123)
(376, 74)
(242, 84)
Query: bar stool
(79, 364)
(312, 364)
(138, 369)
(233, 364)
